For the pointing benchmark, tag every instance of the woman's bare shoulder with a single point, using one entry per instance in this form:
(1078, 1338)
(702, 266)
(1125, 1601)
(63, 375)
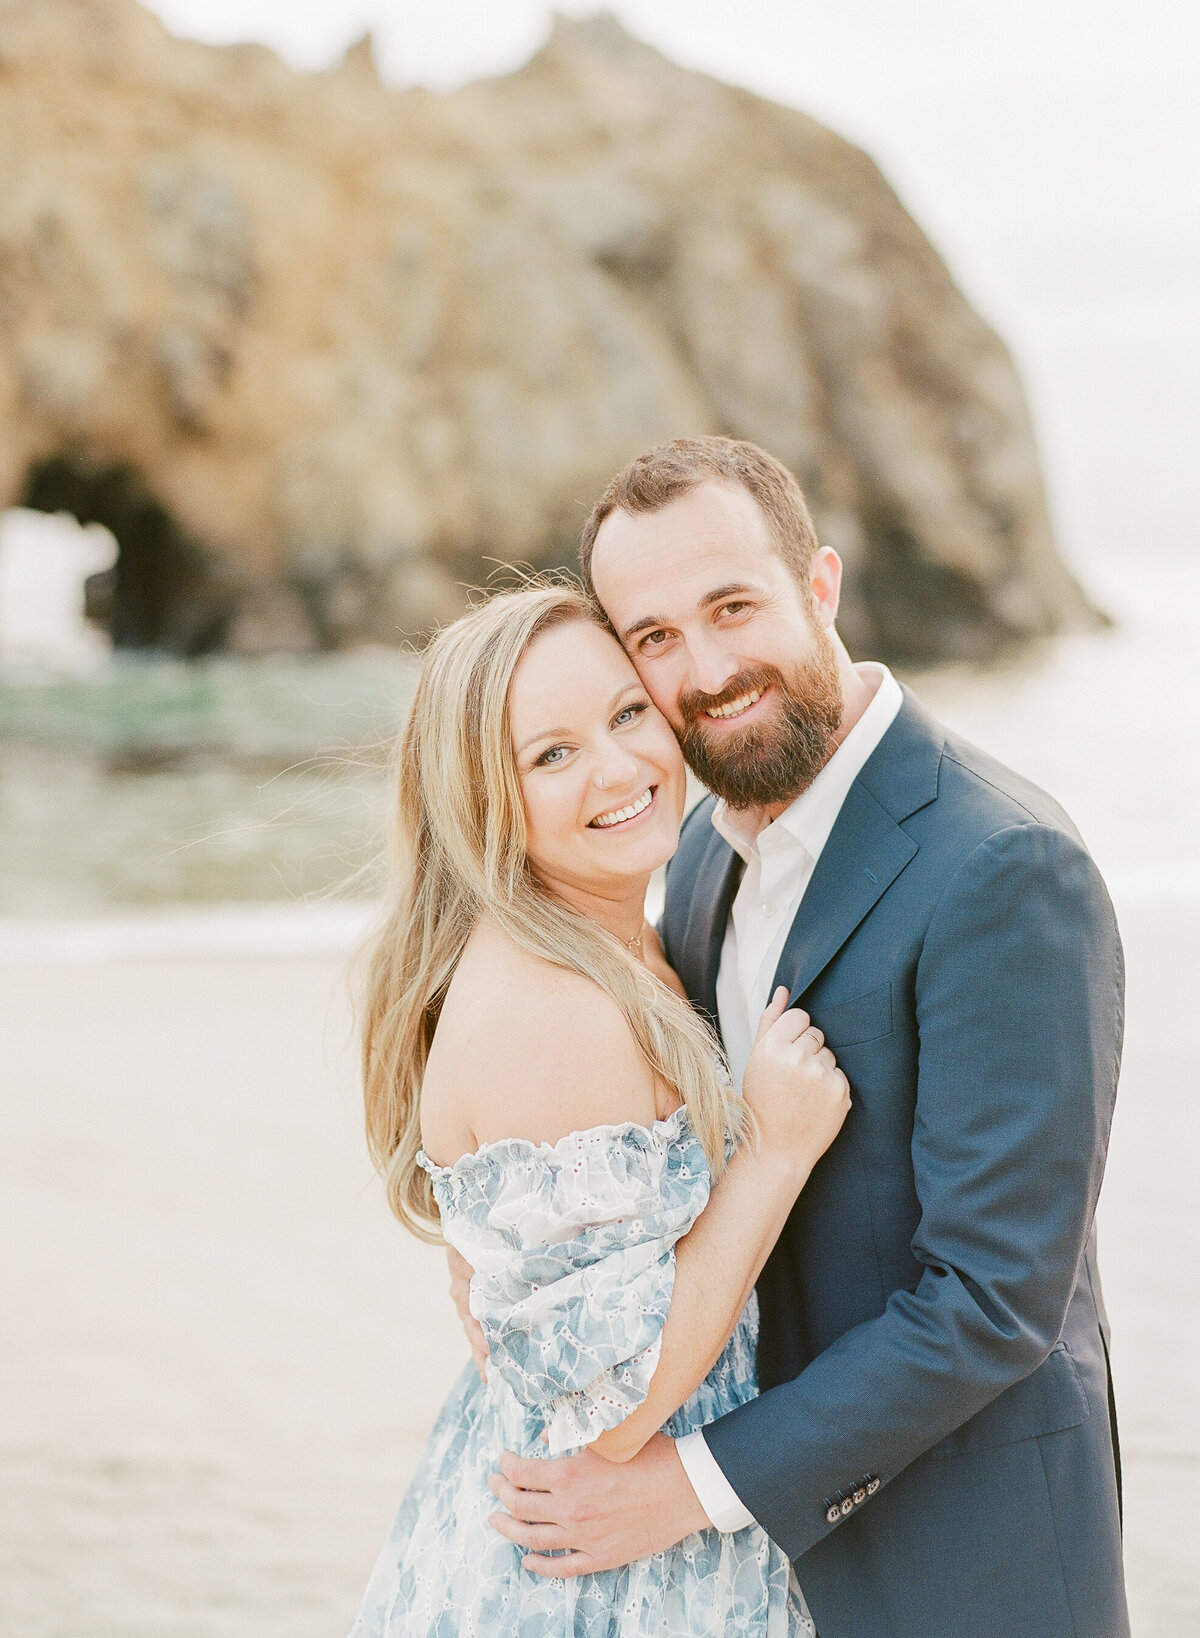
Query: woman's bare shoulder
(527, 1049)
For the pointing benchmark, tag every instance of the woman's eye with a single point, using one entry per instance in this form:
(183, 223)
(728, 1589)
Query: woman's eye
(628, 713)
(552, 757)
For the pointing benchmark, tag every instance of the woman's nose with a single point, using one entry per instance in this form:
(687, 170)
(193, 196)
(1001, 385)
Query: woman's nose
(616, 766)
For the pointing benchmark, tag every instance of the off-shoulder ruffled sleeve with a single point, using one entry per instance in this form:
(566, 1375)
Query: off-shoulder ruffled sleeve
(572, 1245)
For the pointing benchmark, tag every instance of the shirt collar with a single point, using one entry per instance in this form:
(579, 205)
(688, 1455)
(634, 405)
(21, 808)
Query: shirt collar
(810, 818)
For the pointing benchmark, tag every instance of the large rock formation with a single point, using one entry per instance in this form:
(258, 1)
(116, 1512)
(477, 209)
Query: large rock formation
(318, 351)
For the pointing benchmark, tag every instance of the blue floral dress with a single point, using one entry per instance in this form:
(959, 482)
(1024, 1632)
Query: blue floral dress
(572, 1245)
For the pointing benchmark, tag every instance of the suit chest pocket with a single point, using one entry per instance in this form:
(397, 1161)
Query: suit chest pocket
(862, 1018)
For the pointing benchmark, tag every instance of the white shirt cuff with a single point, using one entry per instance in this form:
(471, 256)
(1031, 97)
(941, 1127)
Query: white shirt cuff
(718, 1498)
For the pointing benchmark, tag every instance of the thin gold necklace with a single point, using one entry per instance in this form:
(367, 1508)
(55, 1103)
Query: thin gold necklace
(635, 944)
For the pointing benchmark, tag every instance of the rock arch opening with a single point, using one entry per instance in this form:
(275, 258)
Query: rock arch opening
(44, 562)
(164, 592)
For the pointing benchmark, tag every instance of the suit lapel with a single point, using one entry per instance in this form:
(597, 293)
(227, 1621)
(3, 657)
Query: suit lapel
(713, 894)
(865, 853)
(866, 849)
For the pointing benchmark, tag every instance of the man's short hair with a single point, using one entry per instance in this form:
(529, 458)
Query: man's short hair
(670, 470)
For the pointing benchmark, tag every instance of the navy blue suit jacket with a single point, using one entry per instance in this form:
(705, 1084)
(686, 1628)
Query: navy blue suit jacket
(934, 1442)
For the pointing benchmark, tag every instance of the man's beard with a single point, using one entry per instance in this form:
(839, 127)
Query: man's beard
(774, 761)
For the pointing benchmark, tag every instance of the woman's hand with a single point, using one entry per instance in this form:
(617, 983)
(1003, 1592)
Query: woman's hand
(793, 1084)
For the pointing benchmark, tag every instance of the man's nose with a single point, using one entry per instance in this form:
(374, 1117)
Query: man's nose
(710, 666)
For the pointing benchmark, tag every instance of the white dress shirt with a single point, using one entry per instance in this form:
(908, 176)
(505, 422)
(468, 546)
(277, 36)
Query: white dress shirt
(780, 859)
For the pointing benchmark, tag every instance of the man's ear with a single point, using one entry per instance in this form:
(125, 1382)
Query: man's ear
(826, 584)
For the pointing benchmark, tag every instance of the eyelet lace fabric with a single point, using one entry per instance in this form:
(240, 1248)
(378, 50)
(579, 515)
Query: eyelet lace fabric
(572, 1245)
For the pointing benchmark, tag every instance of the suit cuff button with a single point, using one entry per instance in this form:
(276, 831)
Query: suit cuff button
(872, 1486)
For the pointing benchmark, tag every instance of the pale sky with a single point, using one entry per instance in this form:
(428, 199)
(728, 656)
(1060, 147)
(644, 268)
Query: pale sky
(1098, 89)
(1051, 149)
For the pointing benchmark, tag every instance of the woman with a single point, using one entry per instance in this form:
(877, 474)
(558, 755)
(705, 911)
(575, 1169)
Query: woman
(539, 1093)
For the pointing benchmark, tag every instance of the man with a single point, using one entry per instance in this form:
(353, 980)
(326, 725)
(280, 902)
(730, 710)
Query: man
(934, 1444)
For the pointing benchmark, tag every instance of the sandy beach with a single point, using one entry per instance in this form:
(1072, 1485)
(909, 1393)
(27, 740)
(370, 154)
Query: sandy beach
(220, 1356)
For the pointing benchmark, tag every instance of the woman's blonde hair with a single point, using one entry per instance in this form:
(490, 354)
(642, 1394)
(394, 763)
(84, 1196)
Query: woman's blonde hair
(458, 852)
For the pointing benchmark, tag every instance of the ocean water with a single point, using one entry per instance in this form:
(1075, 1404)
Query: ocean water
(132, 782)
(128, 783)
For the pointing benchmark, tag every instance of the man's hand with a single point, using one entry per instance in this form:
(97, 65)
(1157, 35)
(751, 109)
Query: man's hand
(602, 1513)
(460, 1292)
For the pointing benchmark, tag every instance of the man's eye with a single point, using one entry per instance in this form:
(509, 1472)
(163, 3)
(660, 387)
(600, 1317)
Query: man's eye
(734, 608)
(653, 639)
(628, 713)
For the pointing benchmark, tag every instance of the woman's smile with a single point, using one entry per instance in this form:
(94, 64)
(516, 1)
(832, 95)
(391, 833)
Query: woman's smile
(621, 818)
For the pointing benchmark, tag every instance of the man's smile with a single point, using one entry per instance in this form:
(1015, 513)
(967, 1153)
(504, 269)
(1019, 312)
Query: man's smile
(737, 707)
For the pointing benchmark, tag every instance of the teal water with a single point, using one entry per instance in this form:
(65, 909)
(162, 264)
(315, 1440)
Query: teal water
(148, 781)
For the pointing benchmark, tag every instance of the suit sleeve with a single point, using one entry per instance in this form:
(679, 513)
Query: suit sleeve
(1018, 999)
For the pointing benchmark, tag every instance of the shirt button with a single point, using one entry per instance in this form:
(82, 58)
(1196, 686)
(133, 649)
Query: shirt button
(767, 908)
